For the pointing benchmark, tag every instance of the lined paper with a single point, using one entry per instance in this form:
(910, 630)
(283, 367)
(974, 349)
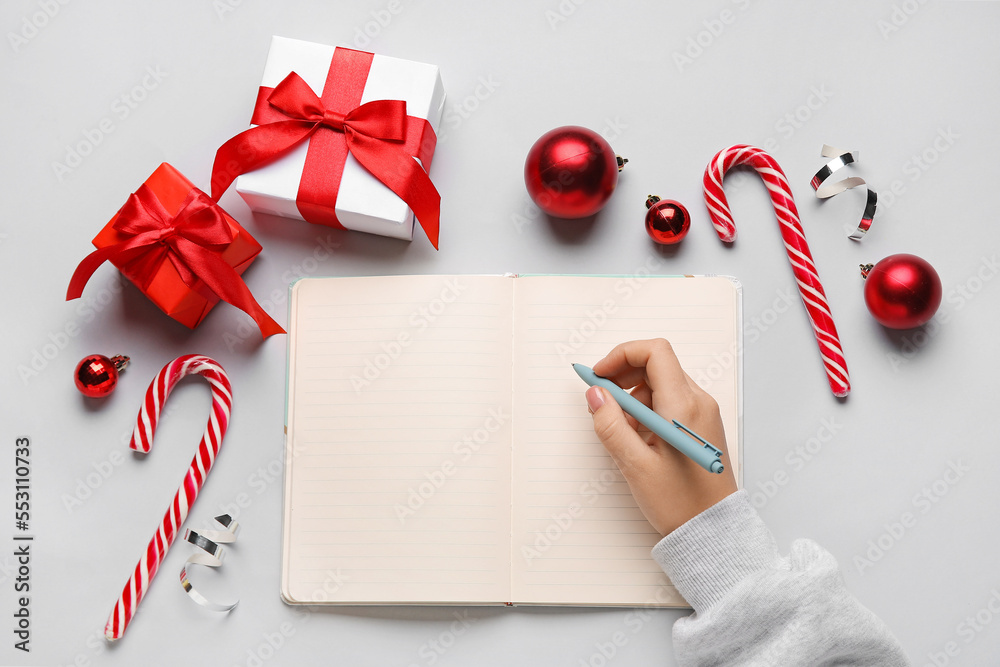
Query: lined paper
(414, 474)
(398, 444)
(578, 537)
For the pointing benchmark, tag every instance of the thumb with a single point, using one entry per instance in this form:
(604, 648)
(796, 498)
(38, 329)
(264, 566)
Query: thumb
(620, 439)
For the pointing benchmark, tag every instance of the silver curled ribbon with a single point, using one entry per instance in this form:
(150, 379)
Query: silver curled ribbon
(211, 555)
(842, 159)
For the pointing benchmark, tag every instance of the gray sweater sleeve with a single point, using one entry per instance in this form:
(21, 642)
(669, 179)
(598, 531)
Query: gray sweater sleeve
(754, 607)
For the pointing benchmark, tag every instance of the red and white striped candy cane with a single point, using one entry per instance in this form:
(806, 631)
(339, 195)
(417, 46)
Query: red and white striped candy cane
(142, 439)
(810, 288)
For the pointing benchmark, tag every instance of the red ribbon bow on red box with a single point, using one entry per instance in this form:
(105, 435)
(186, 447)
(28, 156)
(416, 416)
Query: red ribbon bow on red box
(191, 240)
(378, 134)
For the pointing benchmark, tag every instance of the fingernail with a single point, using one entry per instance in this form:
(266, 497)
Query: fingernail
(595, 398)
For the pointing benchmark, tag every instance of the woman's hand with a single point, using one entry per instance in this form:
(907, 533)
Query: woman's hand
(669, 487)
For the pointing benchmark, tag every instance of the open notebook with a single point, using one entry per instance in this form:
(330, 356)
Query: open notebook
(439, 448)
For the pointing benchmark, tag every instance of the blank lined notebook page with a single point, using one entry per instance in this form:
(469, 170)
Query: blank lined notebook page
(397, 468)
(578, 537)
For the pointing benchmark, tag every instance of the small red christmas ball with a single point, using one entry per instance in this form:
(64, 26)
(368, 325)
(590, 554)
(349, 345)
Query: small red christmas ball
(570, 172)
(667, 221)
(96, 375)
(902, 291)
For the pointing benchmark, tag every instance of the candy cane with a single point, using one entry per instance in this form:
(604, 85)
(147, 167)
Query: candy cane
(810, 288)
(142, 439)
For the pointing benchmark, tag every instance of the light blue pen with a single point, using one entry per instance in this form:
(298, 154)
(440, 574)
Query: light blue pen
(677, 435)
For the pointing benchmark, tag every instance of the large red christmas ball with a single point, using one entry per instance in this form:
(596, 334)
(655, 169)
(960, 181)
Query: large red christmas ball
(571, 172)
(902, 291)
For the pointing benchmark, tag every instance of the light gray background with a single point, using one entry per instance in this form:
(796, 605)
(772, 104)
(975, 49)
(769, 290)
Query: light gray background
(887, 79)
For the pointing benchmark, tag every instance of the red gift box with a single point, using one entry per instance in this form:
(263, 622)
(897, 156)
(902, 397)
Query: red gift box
(180, 248)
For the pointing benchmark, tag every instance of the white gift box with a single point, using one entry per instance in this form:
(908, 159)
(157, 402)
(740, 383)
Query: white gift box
(363, 203)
